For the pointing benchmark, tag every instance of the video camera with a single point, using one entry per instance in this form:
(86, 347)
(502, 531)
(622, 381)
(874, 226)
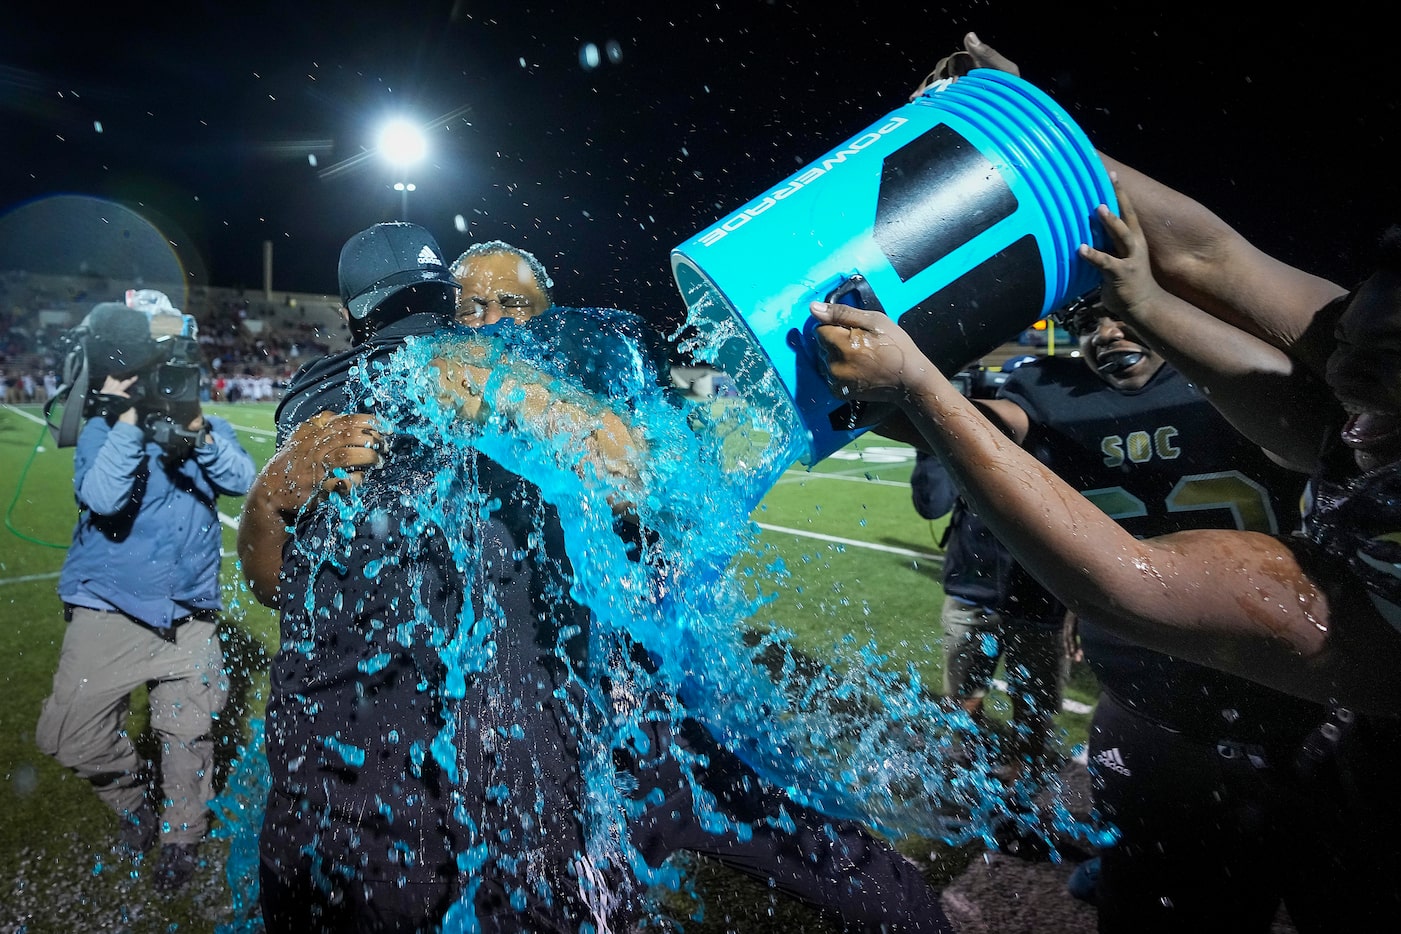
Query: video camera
(120, 340)
(979, 382)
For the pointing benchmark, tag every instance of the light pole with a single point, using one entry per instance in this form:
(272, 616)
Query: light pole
(404, 188)
(402, 144)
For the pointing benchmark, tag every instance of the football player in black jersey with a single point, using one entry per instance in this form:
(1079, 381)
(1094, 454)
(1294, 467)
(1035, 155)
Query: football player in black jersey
(1292, 359)
(1188, 761)
(1283, 610)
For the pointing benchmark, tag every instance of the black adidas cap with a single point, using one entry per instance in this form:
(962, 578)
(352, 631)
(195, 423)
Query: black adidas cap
(384, 259)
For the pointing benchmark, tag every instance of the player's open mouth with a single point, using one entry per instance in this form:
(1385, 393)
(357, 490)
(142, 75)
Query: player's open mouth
(1116, 362)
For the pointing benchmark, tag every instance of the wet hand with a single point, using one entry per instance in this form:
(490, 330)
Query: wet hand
(985, 56)
(1129, 291)
(327, 453)
(865, 355)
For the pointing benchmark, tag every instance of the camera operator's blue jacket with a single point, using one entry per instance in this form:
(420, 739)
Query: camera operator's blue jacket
(148, 537)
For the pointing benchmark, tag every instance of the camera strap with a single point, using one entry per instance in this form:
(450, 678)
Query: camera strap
(65, 434)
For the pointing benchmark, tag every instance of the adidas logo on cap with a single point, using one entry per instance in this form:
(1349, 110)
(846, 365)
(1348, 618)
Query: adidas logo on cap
(384, 259)
(1112, 759)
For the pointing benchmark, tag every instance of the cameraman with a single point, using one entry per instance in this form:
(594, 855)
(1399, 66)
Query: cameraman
(140, 590)
(983, 622)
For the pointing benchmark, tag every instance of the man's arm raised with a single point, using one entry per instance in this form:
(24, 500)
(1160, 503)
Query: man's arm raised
(538, 405)
(328, 453)
(1237, 601)
(1199, 257)
(1265, 392)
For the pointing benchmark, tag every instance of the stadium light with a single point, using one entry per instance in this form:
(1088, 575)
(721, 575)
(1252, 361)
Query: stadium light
(403, 145)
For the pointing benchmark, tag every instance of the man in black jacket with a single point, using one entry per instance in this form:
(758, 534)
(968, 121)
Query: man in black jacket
(408, 790)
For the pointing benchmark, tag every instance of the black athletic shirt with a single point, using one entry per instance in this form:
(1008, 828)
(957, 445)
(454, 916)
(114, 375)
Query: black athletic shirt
(357, 688)
(1356, 520)
(977, 569)
(1161, 460)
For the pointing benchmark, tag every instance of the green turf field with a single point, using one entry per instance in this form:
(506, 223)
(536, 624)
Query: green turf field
(864, 566)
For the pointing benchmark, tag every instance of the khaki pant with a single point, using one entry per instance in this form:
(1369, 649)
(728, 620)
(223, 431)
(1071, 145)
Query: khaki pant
(105, 657)
(975, 637)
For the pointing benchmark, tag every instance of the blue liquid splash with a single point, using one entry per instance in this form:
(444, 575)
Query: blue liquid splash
(856, 740)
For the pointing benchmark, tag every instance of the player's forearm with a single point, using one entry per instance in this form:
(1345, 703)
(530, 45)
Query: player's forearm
(1263, 391)
(611, 446)
(279, 490)
(1069, 545)
(1199, 257)
(1180, 597)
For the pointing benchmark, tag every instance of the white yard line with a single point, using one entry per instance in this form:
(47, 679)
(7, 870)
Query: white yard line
(1073, 706)
(853, 476)
(30, 578)
(855, 543)
(262, 433)
(23, 414)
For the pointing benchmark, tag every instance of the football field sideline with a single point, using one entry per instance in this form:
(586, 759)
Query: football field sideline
(789, 476)
(862, 474)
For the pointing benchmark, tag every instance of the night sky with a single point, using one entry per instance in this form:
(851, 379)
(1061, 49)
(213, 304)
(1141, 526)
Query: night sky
(211, 114)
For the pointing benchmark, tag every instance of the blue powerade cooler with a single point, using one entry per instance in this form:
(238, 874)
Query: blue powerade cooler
(959, 215)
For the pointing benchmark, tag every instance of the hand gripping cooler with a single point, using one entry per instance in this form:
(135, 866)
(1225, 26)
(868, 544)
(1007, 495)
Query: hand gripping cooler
(959, 215)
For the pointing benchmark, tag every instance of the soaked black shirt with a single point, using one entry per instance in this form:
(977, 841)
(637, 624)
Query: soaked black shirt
(1160, 460)
(375, 586)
